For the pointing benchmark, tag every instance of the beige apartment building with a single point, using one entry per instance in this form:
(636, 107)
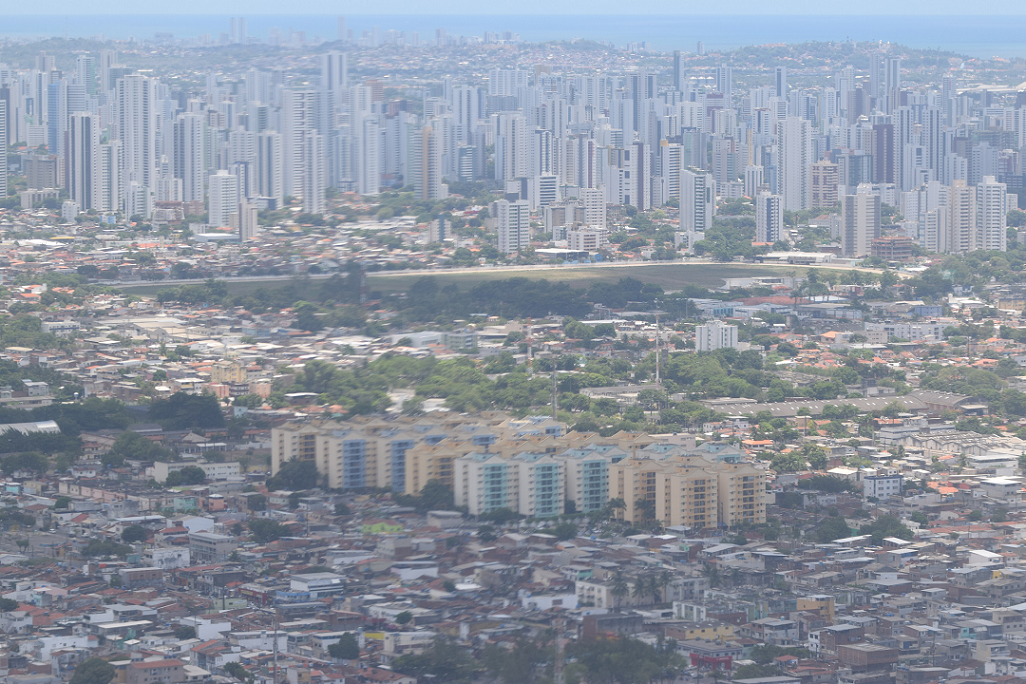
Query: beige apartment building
(690, 491)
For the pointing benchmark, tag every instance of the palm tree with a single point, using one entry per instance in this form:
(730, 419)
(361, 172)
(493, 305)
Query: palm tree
(640, 588)
(663, 582)
(619, 588)
(712, 573)
(655, 588)
(735, 577)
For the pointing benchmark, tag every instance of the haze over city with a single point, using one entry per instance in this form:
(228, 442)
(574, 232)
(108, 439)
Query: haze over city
(473, 344)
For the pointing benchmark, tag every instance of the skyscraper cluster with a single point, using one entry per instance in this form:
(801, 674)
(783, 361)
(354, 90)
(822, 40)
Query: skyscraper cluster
(561, 146)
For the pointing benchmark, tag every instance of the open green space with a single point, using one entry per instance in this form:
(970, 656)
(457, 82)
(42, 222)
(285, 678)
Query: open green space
(665, 275)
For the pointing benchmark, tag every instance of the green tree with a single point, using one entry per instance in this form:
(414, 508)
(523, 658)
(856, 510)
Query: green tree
(264, 530)
(93, 671)
(7, 605)
(404, 618)
(886, 526)
(755, 671)
(444, 661)
(832, 528)
(31, 460)
(237, 671)
(132, 445)
(294, 475)
(919, 517)
(521, 664)
(183, 411)
(435, 496)
(790, 462)
(307, 317)
(564, 530)
(62, 503)
(134, 533)
(98, 548)
(189, 475)
(346, 648)
(185, 632)
(624, 661)
(619, 588)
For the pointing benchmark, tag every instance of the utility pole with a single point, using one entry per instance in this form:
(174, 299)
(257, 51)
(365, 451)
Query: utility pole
(530, 349)
(557, 668)
(555, 395)
(659, 347)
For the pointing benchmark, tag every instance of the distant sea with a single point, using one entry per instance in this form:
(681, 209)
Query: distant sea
(976, 36)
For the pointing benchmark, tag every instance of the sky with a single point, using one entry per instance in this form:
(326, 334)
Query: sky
(477, 7)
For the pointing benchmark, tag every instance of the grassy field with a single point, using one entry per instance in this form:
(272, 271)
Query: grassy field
(666, 276)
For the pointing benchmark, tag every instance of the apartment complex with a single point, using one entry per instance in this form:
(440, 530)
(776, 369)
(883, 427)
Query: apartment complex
(706, 487)
(531, 484)
(403, 454)
(532, 466)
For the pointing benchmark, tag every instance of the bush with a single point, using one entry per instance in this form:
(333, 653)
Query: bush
(185, 632)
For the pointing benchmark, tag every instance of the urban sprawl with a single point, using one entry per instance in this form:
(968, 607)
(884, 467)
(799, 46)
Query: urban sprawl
(470, 360)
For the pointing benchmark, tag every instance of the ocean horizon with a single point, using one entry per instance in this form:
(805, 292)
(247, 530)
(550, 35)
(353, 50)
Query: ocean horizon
(975, 36)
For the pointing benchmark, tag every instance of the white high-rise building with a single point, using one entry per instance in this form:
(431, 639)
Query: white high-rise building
(991, 215)
(769, 218)
(224, 199)
(270, 167)
(635, 176)
(892, 82)
(334, 72)
(110, 176)
(135, 128)
(670, 166)
(697, 206)
(715, 335)
(934, 232)
(3, 138)
(465, 108)
(794, 161)
(248, 220)
(315, 173)
(961, 218)
(85, 71)
(430, 185)
(369, 158)
(754, 175)
(511, 146)
(860, 221)
(83, 162)
(138, 200)
(299, 116)
(514, 224)
(780, 81)
(593, 202)
(543, 191)
(189, 167)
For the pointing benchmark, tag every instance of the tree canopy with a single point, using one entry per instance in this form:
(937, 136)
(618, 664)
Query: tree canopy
(182, 411)
(93, 671)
